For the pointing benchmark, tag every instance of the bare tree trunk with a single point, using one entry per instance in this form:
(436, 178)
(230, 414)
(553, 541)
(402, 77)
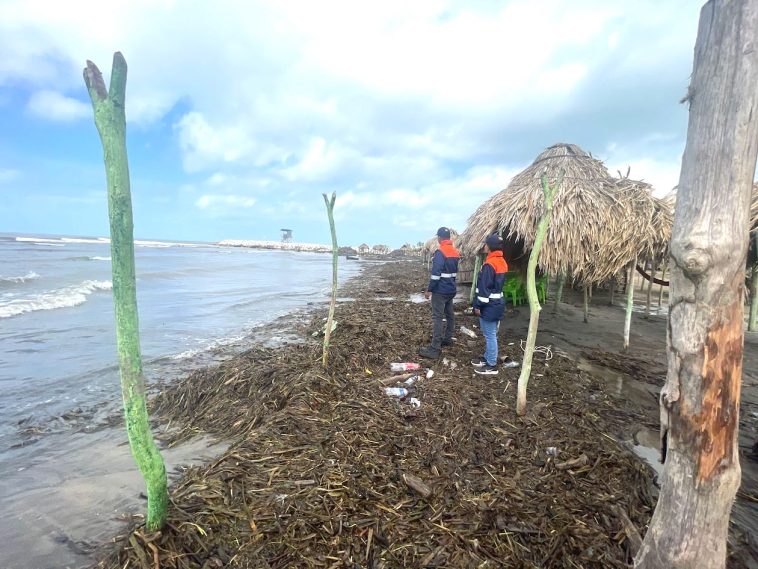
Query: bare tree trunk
(629, 303)
(700, 401)
(650, 287)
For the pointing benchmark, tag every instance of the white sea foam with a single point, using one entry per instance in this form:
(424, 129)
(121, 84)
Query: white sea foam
(66, 297)
(98, 258)
(30, 276)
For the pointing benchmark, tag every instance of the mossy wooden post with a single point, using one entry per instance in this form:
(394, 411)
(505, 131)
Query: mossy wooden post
(586, 303)
(629, 302)
(477, 266)
(650, 287)
(531, 291)
(700, 401)
(328, 331)
(559, 292)
(110, 120)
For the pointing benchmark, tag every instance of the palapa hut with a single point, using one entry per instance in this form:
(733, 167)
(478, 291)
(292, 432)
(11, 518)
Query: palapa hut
(430, 245)
(598, 223)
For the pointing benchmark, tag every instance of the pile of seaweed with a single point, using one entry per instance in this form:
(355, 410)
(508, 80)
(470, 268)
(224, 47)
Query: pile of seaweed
(326, 470)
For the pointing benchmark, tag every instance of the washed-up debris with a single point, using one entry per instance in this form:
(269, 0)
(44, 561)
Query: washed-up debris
(322, 331)
(396, 391)
(468, 332)
(322, 472)
(415, 402)
(404, 366)
(583, 460)
(429, 374)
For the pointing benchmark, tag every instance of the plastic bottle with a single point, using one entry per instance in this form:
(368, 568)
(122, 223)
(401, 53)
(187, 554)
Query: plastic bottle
(411, 380)
(405, 366)
(396, 391)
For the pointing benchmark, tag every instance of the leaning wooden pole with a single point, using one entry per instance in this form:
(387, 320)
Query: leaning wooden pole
(531, 292)
(110, 119)
(700, 402)
(335, 254)
(629, 303)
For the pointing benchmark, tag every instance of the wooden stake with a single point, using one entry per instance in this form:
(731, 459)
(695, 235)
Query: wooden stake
(612, 286)
(700, 402)
(531, 291)
(650, 287)
(629, 303)
(660, 289)
(110, 120)
(477, 266)
(586, 305)
(559, 292)
(335, 255)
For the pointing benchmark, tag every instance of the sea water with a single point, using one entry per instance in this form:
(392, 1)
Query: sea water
(197, 302)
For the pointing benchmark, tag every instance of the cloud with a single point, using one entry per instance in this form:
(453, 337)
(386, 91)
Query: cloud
(9, 175)
(226, 201)
(57, 107)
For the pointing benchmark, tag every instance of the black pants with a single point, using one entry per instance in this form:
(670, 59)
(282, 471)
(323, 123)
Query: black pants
(442, 305)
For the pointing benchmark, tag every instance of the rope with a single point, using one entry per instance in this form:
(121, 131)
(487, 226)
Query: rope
(545, 350)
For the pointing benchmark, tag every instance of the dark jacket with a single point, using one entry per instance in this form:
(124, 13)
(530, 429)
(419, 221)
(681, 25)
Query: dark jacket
(444, 268)
(489, 287)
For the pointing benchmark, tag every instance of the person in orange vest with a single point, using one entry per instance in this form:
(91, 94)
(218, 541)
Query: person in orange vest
(489, 304)
(442, 291)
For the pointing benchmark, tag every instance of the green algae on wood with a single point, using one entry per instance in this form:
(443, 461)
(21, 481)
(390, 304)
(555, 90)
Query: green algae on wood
(335, 253)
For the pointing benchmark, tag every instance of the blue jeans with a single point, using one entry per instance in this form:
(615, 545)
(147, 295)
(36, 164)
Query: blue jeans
(489, 329)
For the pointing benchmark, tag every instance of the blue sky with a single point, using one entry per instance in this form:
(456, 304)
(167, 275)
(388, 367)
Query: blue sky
(242, 113)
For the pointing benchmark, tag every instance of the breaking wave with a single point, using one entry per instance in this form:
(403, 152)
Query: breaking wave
(30, 276)
(66, 297)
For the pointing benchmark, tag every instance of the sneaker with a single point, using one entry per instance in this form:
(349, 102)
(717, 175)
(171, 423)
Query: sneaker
(478, 362)
(446, 343)
(486, 370)
(429, 352)
(508, 362)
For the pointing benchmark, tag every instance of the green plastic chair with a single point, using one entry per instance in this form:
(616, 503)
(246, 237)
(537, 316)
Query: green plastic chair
(542, 288)
(514, 288)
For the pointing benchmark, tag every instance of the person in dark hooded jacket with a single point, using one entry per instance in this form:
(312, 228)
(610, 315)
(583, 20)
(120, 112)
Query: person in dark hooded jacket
(489, 304)
(441, 290)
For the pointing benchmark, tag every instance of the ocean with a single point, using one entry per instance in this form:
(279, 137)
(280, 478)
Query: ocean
(197, 303)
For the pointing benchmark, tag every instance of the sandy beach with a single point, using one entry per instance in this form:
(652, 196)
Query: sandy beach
(325, 470)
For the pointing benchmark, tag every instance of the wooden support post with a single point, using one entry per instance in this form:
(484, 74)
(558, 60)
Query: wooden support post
(612, 289)
(531, 291)
(335, 249)
(650, 287)
(586, 304)
(660, 289)
(474, 277)
(700, 402)
(110, 120)
(629, 303)
(559, 292)
(753, 318)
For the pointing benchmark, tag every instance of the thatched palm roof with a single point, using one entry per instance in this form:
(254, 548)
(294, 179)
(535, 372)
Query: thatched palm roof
(430, 245)
(754, 209)
(598, 225)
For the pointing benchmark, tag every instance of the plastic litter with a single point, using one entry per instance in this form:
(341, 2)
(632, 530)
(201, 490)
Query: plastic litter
(411, 380)
(468, 332)
(429, 374)
(396, 391)
(415, 402)
(404, 366)
(551, 451)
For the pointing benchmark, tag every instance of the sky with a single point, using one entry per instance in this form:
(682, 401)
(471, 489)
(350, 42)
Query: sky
(242, 113)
